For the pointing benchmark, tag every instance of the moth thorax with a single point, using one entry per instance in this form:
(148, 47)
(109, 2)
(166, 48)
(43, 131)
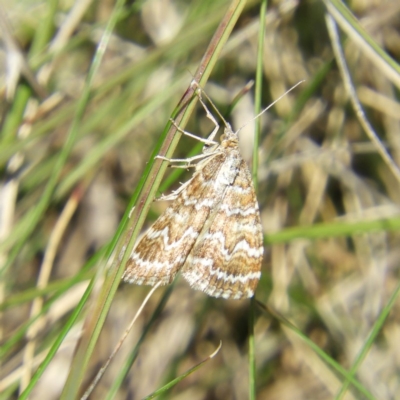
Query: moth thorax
(229, 141)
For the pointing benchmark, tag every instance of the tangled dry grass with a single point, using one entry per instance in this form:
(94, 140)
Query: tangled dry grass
(328, 190)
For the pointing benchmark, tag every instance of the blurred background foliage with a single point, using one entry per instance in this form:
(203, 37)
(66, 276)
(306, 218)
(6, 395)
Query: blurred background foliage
(329, 198)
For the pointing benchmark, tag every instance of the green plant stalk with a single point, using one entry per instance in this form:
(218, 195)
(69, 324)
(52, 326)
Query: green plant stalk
(252, 351)
(154, 172)
(56, 345)
(257, 133)
(333, 229)
(180, 378)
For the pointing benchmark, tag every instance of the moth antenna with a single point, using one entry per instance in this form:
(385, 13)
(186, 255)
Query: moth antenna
(201, 92)
(272, 104)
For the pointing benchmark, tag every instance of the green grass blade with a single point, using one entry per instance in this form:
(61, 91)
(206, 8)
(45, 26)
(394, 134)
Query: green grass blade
(57, 343)
(257, 134)
(102, 303)
(169, 385)
(328, 360)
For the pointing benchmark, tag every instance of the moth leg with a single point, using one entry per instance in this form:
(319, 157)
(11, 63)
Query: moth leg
(209, 115)
(175, 193)
(188, 162)
(207, 141)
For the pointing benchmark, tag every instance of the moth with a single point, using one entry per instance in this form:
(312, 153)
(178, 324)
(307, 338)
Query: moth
(212, 231)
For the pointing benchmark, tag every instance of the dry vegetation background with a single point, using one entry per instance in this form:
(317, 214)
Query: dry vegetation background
(329, 201)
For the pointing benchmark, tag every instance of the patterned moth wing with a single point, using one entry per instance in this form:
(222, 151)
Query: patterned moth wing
(163, 249)
(227, 256)
(212, 230)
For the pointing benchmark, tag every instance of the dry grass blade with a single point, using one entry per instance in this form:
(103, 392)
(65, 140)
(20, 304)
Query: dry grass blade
(355, 102)
(43, 279)
(118, 346)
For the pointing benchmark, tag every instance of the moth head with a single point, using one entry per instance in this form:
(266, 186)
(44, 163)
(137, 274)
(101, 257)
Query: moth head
(229, 138)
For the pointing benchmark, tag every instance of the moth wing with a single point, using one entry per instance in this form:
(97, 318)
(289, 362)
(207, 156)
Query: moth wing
(176, 230)
(227, 256)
